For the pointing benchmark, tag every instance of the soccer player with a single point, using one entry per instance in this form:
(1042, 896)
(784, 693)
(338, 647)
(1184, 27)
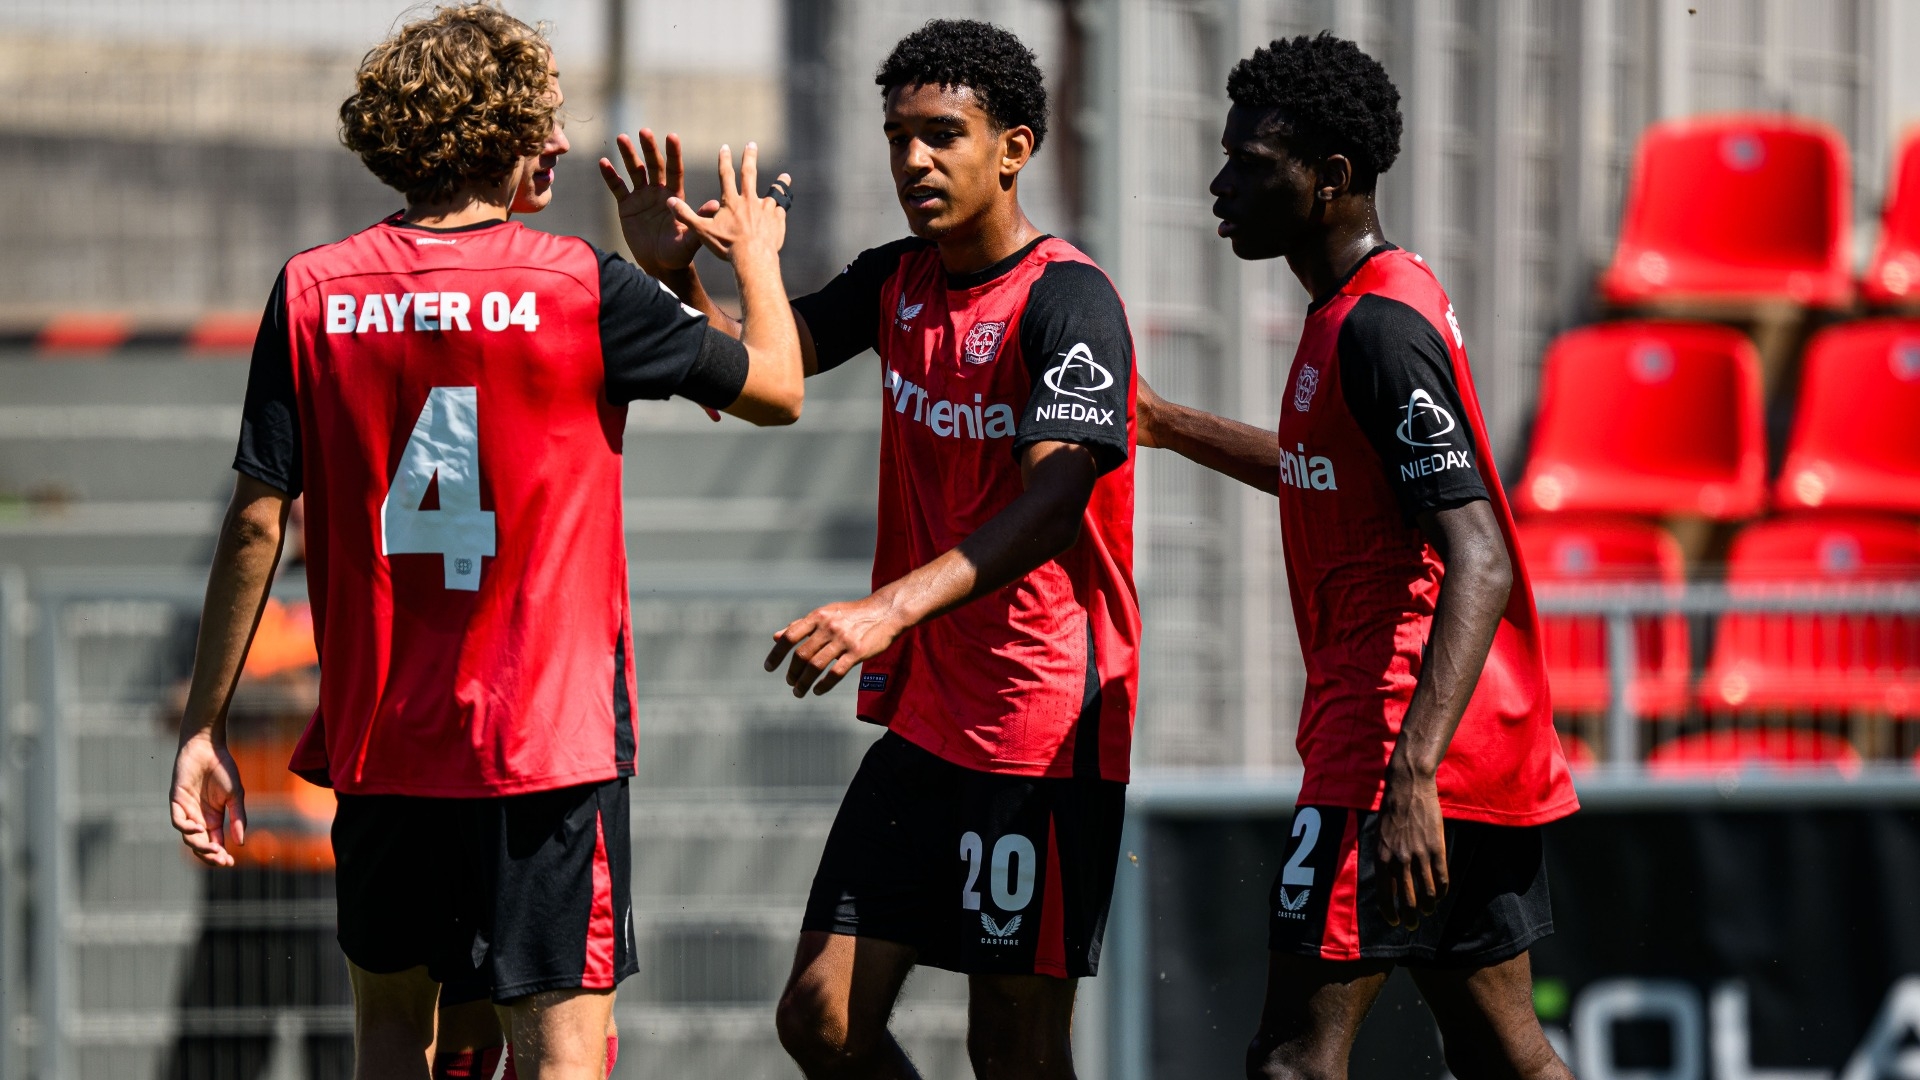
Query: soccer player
(1430, 755)
(1000, 643)
(449, 390)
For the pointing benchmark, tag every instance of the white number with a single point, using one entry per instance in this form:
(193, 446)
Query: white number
(972, 849)
(493, 311)
(1296, 872)
(1012, 876)
(446, 444)
(523, 313)
(1012, 888)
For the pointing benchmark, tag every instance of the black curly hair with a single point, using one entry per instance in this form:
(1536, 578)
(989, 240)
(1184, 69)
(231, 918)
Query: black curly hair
(1331, 99)
(984, 58)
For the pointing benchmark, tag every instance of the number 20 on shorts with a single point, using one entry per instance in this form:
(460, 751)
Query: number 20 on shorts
(1010, 878)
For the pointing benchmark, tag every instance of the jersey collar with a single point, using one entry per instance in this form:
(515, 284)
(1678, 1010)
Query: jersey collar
(977, 278)
(1338, 289)
(475, 227)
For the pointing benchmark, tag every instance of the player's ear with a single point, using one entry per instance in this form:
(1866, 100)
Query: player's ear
(1335, 176)
(1016, 149)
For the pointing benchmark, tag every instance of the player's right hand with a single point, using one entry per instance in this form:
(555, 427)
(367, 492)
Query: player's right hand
(745, 222)
(209, 807)
(658, 240)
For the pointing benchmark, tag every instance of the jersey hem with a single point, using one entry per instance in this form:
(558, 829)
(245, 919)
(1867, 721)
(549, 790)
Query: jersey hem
(470, 791)
(1036, 771)
(1455, 811)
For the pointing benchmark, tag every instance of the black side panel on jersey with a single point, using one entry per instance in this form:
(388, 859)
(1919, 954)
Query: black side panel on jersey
(269, 448)
(624, 743)
(1398, 379)
(1079, 356)
(843, 318)
(1086, 730)
(655, 347)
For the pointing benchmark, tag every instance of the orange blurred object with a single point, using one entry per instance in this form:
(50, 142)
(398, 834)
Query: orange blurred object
(284, 640)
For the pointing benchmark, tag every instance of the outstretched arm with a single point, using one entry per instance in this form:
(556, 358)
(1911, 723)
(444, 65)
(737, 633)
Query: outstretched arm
(208, 805)
(1473, 594)
(1246, 453)
(1038, 525)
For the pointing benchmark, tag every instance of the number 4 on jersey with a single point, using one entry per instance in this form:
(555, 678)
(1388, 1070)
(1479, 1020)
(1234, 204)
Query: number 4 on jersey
(445, 444)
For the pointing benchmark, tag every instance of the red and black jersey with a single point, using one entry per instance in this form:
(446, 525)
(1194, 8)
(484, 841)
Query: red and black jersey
(1381, 424)
(1038, 678)
(452, 404)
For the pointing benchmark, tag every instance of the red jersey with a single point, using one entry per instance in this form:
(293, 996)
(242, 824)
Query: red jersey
(1039, 678)
(1382, 424)
(452, 403)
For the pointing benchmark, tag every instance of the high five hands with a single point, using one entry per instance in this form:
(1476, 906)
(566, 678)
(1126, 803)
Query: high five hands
(663, 231)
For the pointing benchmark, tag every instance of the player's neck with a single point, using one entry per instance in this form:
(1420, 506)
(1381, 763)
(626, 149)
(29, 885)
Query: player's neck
(1002, 232)
(1350, 231)
(469, 206)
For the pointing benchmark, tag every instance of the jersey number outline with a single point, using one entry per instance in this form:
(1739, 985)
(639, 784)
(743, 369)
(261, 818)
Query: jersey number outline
(444, 446)
(1297, 872)
(1011, 878)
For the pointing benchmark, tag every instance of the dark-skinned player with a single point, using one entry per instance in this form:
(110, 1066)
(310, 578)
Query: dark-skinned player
(999, 645)
(1430, 756)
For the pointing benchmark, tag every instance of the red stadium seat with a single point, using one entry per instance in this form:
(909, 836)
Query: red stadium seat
(1893, 275)
(1710, 752)
(1854, 445)
(1579, 753)
(1739, 208)
(1863, 662)
(1649, 418)
(1608, 551)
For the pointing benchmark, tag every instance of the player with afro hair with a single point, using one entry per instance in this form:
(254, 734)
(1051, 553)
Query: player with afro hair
(1415, 622)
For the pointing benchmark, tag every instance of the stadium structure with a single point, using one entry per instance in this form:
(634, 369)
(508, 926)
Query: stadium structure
(1684, 242)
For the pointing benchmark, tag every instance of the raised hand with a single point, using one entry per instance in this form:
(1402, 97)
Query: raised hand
(656, 237)
(744, 220)
(208, 806)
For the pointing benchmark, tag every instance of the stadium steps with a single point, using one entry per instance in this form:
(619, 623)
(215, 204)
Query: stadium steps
(117, 463)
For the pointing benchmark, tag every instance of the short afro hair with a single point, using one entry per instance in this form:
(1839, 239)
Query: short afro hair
(984, 58)
(1331, 97)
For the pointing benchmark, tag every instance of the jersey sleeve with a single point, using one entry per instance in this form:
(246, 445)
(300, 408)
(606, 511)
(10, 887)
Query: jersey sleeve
(269, 448)
(655, 347)
(844, 317)
(1398, 379)
(1079, 354)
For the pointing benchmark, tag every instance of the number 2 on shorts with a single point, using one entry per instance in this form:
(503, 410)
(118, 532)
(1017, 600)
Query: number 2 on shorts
(446, 444)
(1306, 823)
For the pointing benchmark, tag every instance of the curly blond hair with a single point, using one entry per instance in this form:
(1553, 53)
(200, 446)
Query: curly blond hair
(451, 100)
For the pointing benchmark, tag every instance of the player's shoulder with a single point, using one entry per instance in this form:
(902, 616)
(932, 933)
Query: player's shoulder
(1394, 294)
(888, 257)
(1069, 272)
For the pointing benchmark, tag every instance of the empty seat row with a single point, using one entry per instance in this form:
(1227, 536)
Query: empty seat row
(1761, 661)
(1748, 208)
(1660, 418)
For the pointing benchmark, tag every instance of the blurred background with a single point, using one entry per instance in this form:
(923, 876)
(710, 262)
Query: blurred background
(1677, 243)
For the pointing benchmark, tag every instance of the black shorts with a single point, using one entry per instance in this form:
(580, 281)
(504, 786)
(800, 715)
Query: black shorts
(499, 898)
(1325, 901)
(982, 873)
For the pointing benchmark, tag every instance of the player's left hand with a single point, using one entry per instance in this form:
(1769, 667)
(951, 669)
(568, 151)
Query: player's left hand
(659, 241)
(830, 641)
(1412, 858)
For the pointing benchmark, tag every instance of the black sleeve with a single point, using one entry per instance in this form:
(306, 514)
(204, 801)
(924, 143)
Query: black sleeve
(844, 317)
(1079, 356)
(270, 419)
(1398, 379)
(655, 347)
